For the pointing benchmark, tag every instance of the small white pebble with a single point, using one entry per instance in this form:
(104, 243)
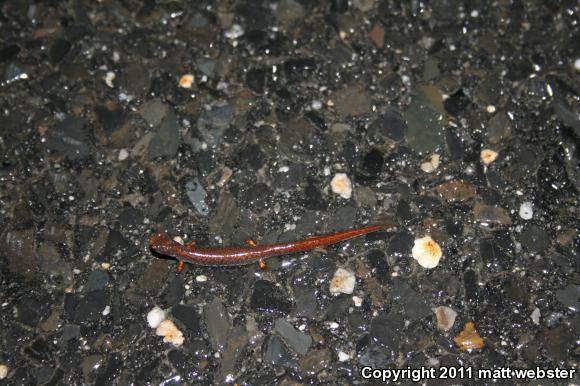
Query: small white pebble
(342, 356)
(577, 64)
(234, 32)
(427, 252)
(3, 371)
(526, 210)
(107, 310)
(343, 281)
(445, 317)
(431, 165)
(433, 362)
(105, 265)
(123, 154)
(488, 156)
(490, 109)
(334, 325)
(357, 300)
(155, 317)
(186, 81)
(341, 185)
(201, 278)
(535, 316)
(109, 78)
(316, 104)
(170, 333)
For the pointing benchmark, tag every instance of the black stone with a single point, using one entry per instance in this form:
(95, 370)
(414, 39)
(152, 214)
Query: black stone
(70, 332)
(472, 291)
(457, 103)
(295, 68)
(267, 298)
(30, 310)
(378, 262)
(58, 50)
(167, 139)
(372, 163)
(535, 239)
(403, 211)
(390, 125)
(110, 117)
(495, 257)
(70, 139)
(39, 350)
(43, 375)
(130, 217)
(70, 305)
(386, 329)
(97, 280)
(258, 196)
(412, 303)
(110, 371)
(189, 316)
(316, 119)
(174, 291)
(454, 145)
(90, 307)
(339, 6)
(337, 309)
(294, 177)
(253, 156)
(400, 245)
(9, 52)
(275, 352)
(313, 199)
(115, 242)
(180, 362)
(306, 303)
(256, 80)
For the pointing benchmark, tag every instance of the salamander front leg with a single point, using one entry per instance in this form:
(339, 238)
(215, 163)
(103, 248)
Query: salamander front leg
(251, 243)
(180, 265)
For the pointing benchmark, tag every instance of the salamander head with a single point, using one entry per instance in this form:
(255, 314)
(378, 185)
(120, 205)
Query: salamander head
(163, 244)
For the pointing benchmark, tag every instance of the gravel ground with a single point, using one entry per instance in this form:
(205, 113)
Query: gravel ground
(273, 121)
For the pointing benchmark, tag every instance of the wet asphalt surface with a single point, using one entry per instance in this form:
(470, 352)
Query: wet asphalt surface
(225, 121)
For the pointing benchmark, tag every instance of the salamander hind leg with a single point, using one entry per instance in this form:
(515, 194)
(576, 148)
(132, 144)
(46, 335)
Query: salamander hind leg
(191, 244)
(180, 266)
(262, 264)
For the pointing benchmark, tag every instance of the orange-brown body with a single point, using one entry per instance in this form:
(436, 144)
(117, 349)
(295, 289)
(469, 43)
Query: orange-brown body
(221, 256)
